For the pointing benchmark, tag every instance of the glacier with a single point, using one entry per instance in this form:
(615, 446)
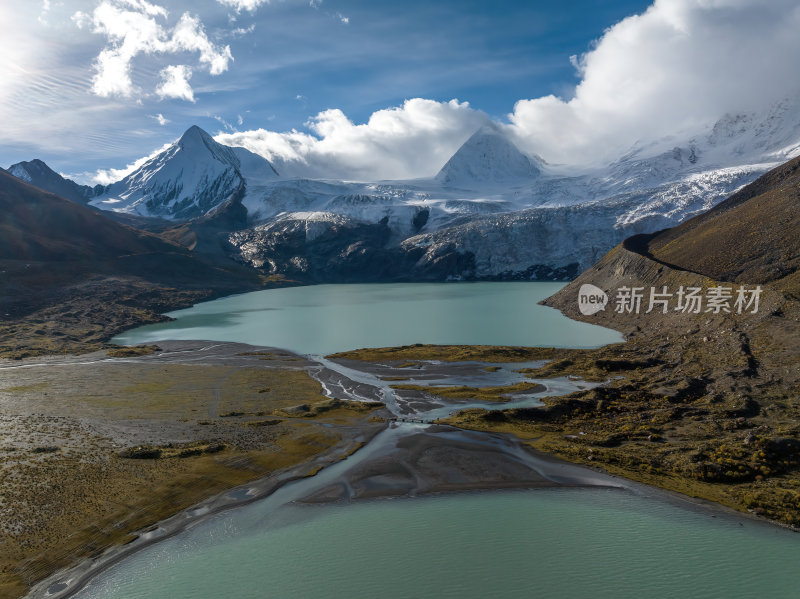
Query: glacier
(490, 212)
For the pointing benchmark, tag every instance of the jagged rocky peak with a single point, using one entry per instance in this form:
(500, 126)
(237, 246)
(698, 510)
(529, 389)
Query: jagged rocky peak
(488, 156)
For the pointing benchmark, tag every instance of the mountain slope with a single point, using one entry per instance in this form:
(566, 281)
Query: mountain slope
(36, 225)
(487, 157)
(752, 236)
(698, 400)
(38, 174)
(189, 179)
(72, 277)
(749, 239)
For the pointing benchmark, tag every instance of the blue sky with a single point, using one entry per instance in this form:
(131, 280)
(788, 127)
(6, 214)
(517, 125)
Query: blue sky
(297, 60)
(367, 88)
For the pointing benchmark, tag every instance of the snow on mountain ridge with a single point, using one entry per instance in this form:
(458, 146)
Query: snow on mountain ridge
(188, 179)
(20, 172)
(38, 174)
(507, 210)
(487, 156)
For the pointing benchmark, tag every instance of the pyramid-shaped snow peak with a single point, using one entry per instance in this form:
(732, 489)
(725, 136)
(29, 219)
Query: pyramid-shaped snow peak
(188, 179)
(487, 157)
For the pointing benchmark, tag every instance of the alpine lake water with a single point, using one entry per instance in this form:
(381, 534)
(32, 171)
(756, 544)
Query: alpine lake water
(563, 542)
(324, 319)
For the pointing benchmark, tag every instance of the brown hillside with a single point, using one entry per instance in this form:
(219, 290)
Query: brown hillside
(37, 225)
(753, 236)
(70, 277)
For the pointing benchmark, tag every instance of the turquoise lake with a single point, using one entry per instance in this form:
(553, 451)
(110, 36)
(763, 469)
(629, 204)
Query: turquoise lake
(545, 543)
(324, 319)
(564, 543)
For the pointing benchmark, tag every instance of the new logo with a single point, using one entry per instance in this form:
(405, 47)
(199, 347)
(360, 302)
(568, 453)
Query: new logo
(591, 299)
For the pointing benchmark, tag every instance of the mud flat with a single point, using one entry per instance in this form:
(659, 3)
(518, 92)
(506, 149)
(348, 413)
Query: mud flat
(401, 459)
(94, 449)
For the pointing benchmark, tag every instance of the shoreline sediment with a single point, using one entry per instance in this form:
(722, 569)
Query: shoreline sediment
(400, 473)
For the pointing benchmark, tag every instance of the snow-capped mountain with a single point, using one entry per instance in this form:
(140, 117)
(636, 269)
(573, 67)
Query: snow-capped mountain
(37, 173)
(491, 211)
(497, 213)
(487, 158)
(192, 177)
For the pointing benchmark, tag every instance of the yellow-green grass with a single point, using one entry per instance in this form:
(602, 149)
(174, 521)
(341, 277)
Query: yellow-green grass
(411, 354)
(498, 394)
(132, 351)
(59, 506)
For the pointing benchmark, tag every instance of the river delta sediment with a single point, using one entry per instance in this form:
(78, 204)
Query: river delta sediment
(427, 458)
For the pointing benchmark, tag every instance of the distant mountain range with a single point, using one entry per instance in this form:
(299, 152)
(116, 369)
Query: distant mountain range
(491, 212)
(42, 176)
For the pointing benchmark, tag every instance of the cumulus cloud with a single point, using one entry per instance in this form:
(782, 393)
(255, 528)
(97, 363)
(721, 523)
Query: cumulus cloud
(677, 67)
(189, 36)
(673, 70)
(175, 83)
(411, 140)
(134, 27)
(240, 5)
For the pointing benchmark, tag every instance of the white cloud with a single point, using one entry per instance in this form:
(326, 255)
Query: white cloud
(111, 175)
(45, 10)
(674, 69)
(240, 5)
(343, 19)
(132, 28)
(242, 31)
(678, 66)
(160, 119)
(189, 36)
(175, 83)
(412, 140)
(222, 122)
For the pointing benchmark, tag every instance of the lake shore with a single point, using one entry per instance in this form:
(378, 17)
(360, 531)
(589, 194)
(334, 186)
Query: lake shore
(96, 449)
(648, 422)
(398, 459)
(238, 413)
(422, 460)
